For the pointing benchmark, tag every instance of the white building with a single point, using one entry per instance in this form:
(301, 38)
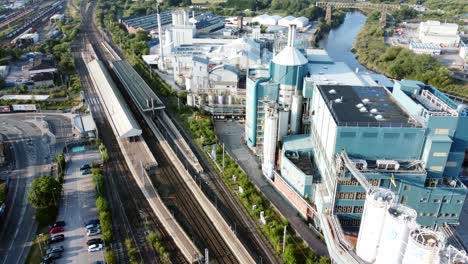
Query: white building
(267, 20)
(301, 22)
(463, 51)
(285, 21)
(434, 32)
(243, 53)
(423, 48)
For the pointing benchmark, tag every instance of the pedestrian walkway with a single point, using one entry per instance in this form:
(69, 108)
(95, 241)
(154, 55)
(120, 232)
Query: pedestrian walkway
(231, 133)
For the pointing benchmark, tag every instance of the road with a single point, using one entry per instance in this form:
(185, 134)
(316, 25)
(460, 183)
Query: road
(231, 133)
(32, 156)
(78, 205)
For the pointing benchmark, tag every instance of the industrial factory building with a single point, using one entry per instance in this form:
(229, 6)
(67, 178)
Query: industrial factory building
(331, 139)
(435, 32)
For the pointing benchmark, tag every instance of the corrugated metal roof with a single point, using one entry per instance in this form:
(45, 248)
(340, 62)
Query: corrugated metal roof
(120, 115)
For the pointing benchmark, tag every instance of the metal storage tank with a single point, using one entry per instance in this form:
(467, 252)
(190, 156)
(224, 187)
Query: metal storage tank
(220, 99)
(283, 123)
(399, 219)
(423, 247)
(230, 99)
(190, 100)
(296, 113)
(377, 202)
(201, 100)
(211, 99)
(269, 140)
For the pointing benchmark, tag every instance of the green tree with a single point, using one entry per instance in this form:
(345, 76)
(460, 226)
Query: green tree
(44, 192)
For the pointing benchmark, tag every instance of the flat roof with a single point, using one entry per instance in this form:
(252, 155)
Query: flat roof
(337, 73)
(363, 105)
(84, 123)
(119, 113)
(136, 86)
(298, 149)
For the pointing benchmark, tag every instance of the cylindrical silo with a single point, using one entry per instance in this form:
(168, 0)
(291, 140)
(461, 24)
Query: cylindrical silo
(296, 114)
(190, 100)
(423, 247)
(201, 100)
(220, 99)
(168, 37)
(230, 99)
(377, 202)
(211, 99)
(283, 123)
(269, 140)
(399, 219)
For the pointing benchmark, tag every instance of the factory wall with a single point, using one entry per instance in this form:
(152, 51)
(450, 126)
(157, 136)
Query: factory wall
(289, 75)
(324, 124)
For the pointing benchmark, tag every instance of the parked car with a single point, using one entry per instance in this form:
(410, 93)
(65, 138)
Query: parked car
(95, 247)
(85, 167)
(55, 239)
(56, 230)
(86, 172)
(94, 231)
(58, 249)
(94, 241)
(48, 261)
(53, 256)
(56, 224)
(92, 222)
(92, 226)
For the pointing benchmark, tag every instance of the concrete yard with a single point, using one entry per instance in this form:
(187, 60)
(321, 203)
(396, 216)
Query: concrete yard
(78, 205)
(231, 133)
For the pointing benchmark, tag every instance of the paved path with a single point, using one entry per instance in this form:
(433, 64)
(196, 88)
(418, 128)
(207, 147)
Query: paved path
(78, 205)
(231, 133)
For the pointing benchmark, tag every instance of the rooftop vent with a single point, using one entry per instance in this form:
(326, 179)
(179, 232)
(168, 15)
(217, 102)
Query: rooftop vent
(360, 105)
(365, 101)
(363, 109)
(332, 91)
(339, 100)
(379, 117)
(374, 111)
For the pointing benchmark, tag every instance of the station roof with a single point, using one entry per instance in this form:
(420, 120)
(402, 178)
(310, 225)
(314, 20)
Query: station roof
(364, 106)
(136, 86)
(120, 115)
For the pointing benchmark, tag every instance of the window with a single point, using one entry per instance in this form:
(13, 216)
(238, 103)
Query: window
(439, 154)
(348, 134)
(391, 135)
(459, 201)
(343, 209)
(360, 196)
(423, 200)
(374, 182)
(407, 188)
(369, 135)
(358, 209)
(444, 201)
(451, 164)
(446, 215)
(436, 201)
(454, 215)
(345, 195)
(436, 168)
(403, 199)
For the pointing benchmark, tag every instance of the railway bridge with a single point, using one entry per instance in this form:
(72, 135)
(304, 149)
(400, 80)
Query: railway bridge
(384, 8)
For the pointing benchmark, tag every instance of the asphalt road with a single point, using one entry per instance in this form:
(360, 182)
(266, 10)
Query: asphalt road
(32, 156)
(78, 205)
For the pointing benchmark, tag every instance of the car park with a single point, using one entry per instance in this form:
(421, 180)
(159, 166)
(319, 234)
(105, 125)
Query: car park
(56, 230)
(94, 241)
(95, 247)
(57, 224)
(93, 231)
(85, 167)
(58, 249)
(55, 239)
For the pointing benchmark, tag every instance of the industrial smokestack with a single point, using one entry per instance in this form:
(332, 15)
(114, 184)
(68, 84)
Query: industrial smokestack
(291, 35)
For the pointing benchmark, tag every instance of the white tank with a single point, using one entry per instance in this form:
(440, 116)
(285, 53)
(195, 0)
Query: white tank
(399, 219)
(269, 141)
(283, 123)
(375, 207)
(296, 114)
(230, 99)
(168, 36)
(190, 100)
(220, 99)
(211, 99)
(423, 247)
(201, 100)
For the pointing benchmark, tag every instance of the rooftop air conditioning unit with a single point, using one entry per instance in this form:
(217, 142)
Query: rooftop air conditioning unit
(388, 165)
(365, 101)
(374, 111)
(360, 164)
(332, 91)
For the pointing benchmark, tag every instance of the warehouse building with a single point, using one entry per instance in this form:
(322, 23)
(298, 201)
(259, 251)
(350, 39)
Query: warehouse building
(435, 32)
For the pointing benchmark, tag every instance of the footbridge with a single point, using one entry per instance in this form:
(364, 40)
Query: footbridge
(384, 8)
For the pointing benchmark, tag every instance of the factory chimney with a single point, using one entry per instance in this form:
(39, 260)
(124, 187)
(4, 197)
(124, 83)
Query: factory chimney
(161, 54)
(291, 35)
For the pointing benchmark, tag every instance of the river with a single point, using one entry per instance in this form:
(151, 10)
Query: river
(339, 42)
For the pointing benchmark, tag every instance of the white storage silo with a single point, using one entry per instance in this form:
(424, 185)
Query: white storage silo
(269, 140)
(201, 100)
(283, 123)
(220, 99)
(211, 99)
(423, 247)
(399, 219)
(230, 99)
(190, 100)
(296, 114)
(377, 202)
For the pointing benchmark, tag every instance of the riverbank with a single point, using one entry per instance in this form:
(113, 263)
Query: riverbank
(401, 63)
(323, 28)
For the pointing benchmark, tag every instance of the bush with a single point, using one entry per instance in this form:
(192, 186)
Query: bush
(106, 225)
(102, 205)
(109, 257)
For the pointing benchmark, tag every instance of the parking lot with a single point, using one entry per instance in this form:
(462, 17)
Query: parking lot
(77, 207)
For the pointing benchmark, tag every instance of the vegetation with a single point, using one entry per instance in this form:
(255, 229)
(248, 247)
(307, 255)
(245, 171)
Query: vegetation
(155, 241)
(61, 163)
(102, 205)
(109, 257)
(103, 151)
(401, 63)
(3, 192)
(44, 195)
(132, 253)
(38, 243)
